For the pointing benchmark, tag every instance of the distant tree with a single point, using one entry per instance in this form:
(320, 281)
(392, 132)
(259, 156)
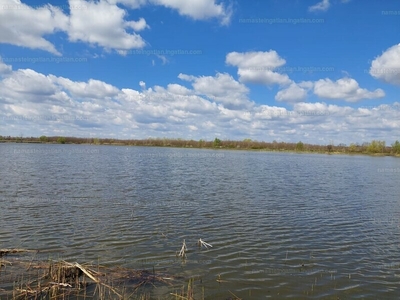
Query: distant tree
(376, 146)
(300, 146)
(61, 140)
(329, 148)
(364, 146)
(43, 139)
(396, 147)
(217, 142)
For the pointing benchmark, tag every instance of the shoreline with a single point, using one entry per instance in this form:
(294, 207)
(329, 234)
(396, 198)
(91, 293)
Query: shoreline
(217, 148)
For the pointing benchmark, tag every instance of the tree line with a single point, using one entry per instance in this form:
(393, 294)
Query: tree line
(373, 147)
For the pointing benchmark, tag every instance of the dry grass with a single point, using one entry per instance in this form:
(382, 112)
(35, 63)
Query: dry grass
(30, 279)
(65, 280)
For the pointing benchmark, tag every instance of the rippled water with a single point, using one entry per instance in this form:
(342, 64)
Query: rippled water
(281, 225)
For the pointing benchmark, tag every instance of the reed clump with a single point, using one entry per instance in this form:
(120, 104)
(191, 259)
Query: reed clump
(30, 279)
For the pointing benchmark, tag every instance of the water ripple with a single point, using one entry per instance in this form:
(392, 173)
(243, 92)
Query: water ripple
(281, 225)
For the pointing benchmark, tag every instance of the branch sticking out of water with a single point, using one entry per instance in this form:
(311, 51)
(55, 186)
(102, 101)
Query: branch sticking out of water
(183, 250)
(203, 243)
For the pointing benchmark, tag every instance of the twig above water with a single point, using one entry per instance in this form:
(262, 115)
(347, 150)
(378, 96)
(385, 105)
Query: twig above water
(203, 243)
(183, 250)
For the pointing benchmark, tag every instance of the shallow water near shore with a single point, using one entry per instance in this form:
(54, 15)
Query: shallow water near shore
(282, 225)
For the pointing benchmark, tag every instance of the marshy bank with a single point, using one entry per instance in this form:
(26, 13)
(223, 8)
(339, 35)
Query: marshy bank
(22, 276)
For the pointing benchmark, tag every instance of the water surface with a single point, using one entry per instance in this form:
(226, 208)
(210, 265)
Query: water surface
(282, 225)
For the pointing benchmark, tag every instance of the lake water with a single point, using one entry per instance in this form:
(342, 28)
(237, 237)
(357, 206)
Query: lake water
(299, 226)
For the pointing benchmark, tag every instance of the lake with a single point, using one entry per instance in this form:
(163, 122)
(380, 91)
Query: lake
(282, 225)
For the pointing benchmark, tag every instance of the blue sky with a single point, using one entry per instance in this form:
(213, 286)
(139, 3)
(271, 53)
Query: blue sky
(290, 70)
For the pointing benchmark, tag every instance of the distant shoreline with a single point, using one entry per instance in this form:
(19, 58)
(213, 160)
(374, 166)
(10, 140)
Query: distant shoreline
(247, 145)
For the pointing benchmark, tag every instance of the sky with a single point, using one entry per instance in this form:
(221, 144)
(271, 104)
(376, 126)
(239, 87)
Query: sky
(284, 70)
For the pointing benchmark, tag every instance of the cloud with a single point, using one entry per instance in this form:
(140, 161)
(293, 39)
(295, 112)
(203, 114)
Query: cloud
(294, 93)
(37, 104)
(178, 89)
(269, 59)
(222, 88)
(163, 58)
(4, 69)
(258, 67)
(100, 23)
(344, 89)
(142, 84)
(138, 25)
(28, 85)
(129, 3)
(97, 23)
(386, 67)
(195, 9)
(103, 24)
(92, 89)
(320, 6)
(24, 26)
(199, 9)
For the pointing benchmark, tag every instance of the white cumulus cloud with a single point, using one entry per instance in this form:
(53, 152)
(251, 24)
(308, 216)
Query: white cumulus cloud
(24, 26)
(386, 67)
(91, 89)
(344, 89)
(222, 88)
(138, 25)
(4, 68)
(320, 6)
(294, 93)
(258, 67)
(103, 24)
(195, 9)
(199, 9)
(97, 108)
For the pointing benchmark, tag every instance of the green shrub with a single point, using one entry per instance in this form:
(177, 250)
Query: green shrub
(61, 140)
(396, 147)
(217, 142)
(376, 147)
(300, 146)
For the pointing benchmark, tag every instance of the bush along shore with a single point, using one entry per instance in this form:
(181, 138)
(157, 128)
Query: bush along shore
(375, 147)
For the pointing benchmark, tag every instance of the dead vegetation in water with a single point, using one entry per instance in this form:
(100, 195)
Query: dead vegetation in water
(32, 279)
(65, 280)
(4, 252)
